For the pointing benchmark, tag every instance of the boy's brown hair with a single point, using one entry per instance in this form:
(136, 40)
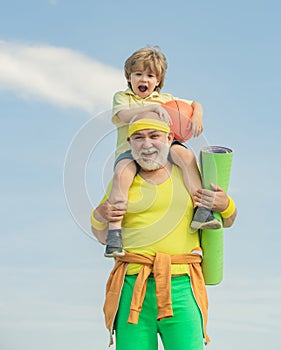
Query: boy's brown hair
(150, 58)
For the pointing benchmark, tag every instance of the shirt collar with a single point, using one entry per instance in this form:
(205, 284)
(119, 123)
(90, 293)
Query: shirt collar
(130, 92)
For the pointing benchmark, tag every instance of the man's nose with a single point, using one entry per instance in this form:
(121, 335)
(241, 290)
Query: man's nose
(147, 143)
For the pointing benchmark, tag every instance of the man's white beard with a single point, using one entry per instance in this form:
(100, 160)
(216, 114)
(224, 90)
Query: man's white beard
(152, 164)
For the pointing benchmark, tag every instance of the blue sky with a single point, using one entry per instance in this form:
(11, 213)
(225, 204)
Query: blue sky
(60, 63)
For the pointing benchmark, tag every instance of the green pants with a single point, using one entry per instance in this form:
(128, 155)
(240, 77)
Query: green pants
(182, 331)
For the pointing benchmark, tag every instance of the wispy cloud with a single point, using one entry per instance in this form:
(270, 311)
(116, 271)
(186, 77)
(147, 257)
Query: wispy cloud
(58, 75)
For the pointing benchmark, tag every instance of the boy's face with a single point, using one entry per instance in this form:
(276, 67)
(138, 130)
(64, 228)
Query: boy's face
(143, 83)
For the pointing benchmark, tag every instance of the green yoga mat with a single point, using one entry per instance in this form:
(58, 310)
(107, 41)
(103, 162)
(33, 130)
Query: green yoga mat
(215, 164)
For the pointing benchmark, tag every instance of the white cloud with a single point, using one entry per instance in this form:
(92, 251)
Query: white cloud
(58, 75)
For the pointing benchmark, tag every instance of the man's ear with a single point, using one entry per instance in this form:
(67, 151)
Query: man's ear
(129, 140)
(170, 138)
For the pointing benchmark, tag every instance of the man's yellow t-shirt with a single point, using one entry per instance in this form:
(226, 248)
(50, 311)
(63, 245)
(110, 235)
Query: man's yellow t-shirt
(158, 219)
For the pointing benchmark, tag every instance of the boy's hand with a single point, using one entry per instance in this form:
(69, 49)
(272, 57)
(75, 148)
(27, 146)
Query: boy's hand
(163, 114)
(196, 119)
(196, 124)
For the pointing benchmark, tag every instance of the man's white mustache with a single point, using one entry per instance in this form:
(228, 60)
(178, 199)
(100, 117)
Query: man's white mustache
(149, 151)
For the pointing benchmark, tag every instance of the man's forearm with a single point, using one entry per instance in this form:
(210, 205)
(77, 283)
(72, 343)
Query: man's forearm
(99, 228)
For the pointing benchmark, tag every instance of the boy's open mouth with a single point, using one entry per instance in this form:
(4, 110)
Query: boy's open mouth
(142, 88)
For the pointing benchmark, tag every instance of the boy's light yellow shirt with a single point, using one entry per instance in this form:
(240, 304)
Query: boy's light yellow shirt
(123, 100)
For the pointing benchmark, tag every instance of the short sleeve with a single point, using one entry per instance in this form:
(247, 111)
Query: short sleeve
(120, 102)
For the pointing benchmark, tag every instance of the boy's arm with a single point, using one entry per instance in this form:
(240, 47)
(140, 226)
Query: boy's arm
(126, 115)
(197, 119)
(124, 112)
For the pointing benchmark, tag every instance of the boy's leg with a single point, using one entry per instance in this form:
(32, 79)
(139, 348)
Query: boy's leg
(124, 173)
(184, 158)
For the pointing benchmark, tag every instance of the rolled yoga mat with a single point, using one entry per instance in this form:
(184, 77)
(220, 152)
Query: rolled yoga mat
(215, 164)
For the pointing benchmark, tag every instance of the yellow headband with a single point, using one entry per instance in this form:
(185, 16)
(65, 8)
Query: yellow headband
(147, 123)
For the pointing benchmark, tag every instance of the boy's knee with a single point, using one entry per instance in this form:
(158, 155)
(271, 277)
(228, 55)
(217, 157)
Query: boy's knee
(125, 165)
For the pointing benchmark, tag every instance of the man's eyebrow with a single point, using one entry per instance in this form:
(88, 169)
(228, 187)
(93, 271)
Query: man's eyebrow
(154, 132)
(150, 132)
(136, 133)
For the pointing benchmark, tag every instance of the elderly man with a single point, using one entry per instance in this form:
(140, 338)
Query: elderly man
(157, 287)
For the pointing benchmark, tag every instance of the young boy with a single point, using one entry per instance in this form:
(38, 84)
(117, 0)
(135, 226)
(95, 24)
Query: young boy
(145, 72)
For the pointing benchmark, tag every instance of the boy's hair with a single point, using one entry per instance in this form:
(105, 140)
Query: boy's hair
(150, 58)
